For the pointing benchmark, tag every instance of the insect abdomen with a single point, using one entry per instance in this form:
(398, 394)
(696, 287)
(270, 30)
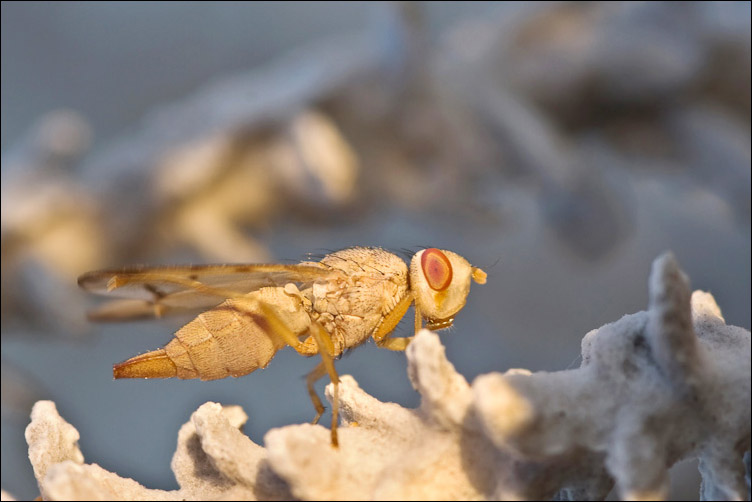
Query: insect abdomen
(154, 364)
(221, 342)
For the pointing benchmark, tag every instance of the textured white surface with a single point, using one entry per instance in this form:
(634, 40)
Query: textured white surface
(654, 388)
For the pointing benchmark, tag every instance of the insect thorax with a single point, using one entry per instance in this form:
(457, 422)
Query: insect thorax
(351, 307)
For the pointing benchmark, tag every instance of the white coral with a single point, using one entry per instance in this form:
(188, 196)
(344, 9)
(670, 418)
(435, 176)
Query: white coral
(654, 388)
(214, 460)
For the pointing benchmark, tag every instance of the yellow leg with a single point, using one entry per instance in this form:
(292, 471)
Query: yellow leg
(390, 321)
(418, 319)
(274, 326)
(270, 322)
(398, 344)
(311, 379)
(326, 349)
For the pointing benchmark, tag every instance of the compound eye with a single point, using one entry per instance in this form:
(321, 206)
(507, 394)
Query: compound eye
(437, 269)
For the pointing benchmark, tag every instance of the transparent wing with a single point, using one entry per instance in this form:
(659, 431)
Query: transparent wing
(158, 291)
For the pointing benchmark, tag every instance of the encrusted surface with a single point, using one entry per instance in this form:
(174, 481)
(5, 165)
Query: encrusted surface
(214, 460)
(654, 388)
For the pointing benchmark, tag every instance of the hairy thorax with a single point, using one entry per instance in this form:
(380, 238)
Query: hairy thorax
(351, 307)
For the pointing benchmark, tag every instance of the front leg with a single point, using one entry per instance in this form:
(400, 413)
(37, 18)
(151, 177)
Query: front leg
(383, 331)
(398, 344)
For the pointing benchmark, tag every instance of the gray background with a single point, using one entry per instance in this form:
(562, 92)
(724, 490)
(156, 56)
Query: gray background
(115, 61)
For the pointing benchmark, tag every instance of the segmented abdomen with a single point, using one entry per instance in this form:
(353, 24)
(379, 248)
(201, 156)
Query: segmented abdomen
(224, 341)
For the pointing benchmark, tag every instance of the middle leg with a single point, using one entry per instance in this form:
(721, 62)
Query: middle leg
(320, 342)
(327, 352)
(311, 379)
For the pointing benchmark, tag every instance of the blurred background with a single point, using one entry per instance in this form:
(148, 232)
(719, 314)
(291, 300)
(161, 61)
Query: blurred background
(559, 146)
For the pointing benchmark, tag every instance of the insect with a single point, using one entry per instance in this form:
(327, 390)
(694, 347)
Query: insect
(253, 311)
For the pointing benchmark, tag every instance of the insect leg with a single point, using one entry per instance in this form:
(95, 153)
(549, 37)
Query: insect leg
(418, 319)
(390, 321)
(398, 344)
(326, 349)
(274, 326)
(271, 323)
(311, 379)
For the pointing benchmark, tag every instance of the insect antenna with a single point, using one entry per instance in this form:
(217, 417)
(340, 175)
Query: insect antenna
(494, 264)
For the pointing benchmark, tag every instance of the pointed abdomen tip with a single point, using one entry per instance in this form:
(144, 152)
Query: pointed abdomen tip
(154, 364)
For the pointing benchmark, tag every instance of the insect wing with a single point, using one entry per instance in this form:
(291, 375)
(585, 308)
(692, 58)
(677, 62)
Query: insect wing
(158, 291)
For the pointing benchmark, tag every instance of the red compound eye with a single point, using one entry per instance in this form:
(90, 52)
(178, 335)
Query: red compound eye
(436, 268)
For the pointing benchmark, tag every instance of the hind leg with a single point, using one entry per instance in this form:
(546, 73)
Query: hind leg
(320, 342)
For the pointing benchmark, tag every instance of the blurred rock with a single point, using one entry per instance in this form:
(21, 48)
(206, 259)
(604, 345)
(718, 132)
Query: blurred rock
(6, 496)
(544, 78)
(51, 227)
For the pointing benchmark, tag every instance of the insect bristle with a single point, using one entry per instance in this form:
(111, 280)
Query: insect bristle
(319, 254)
(405, 253)
(408, 252)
